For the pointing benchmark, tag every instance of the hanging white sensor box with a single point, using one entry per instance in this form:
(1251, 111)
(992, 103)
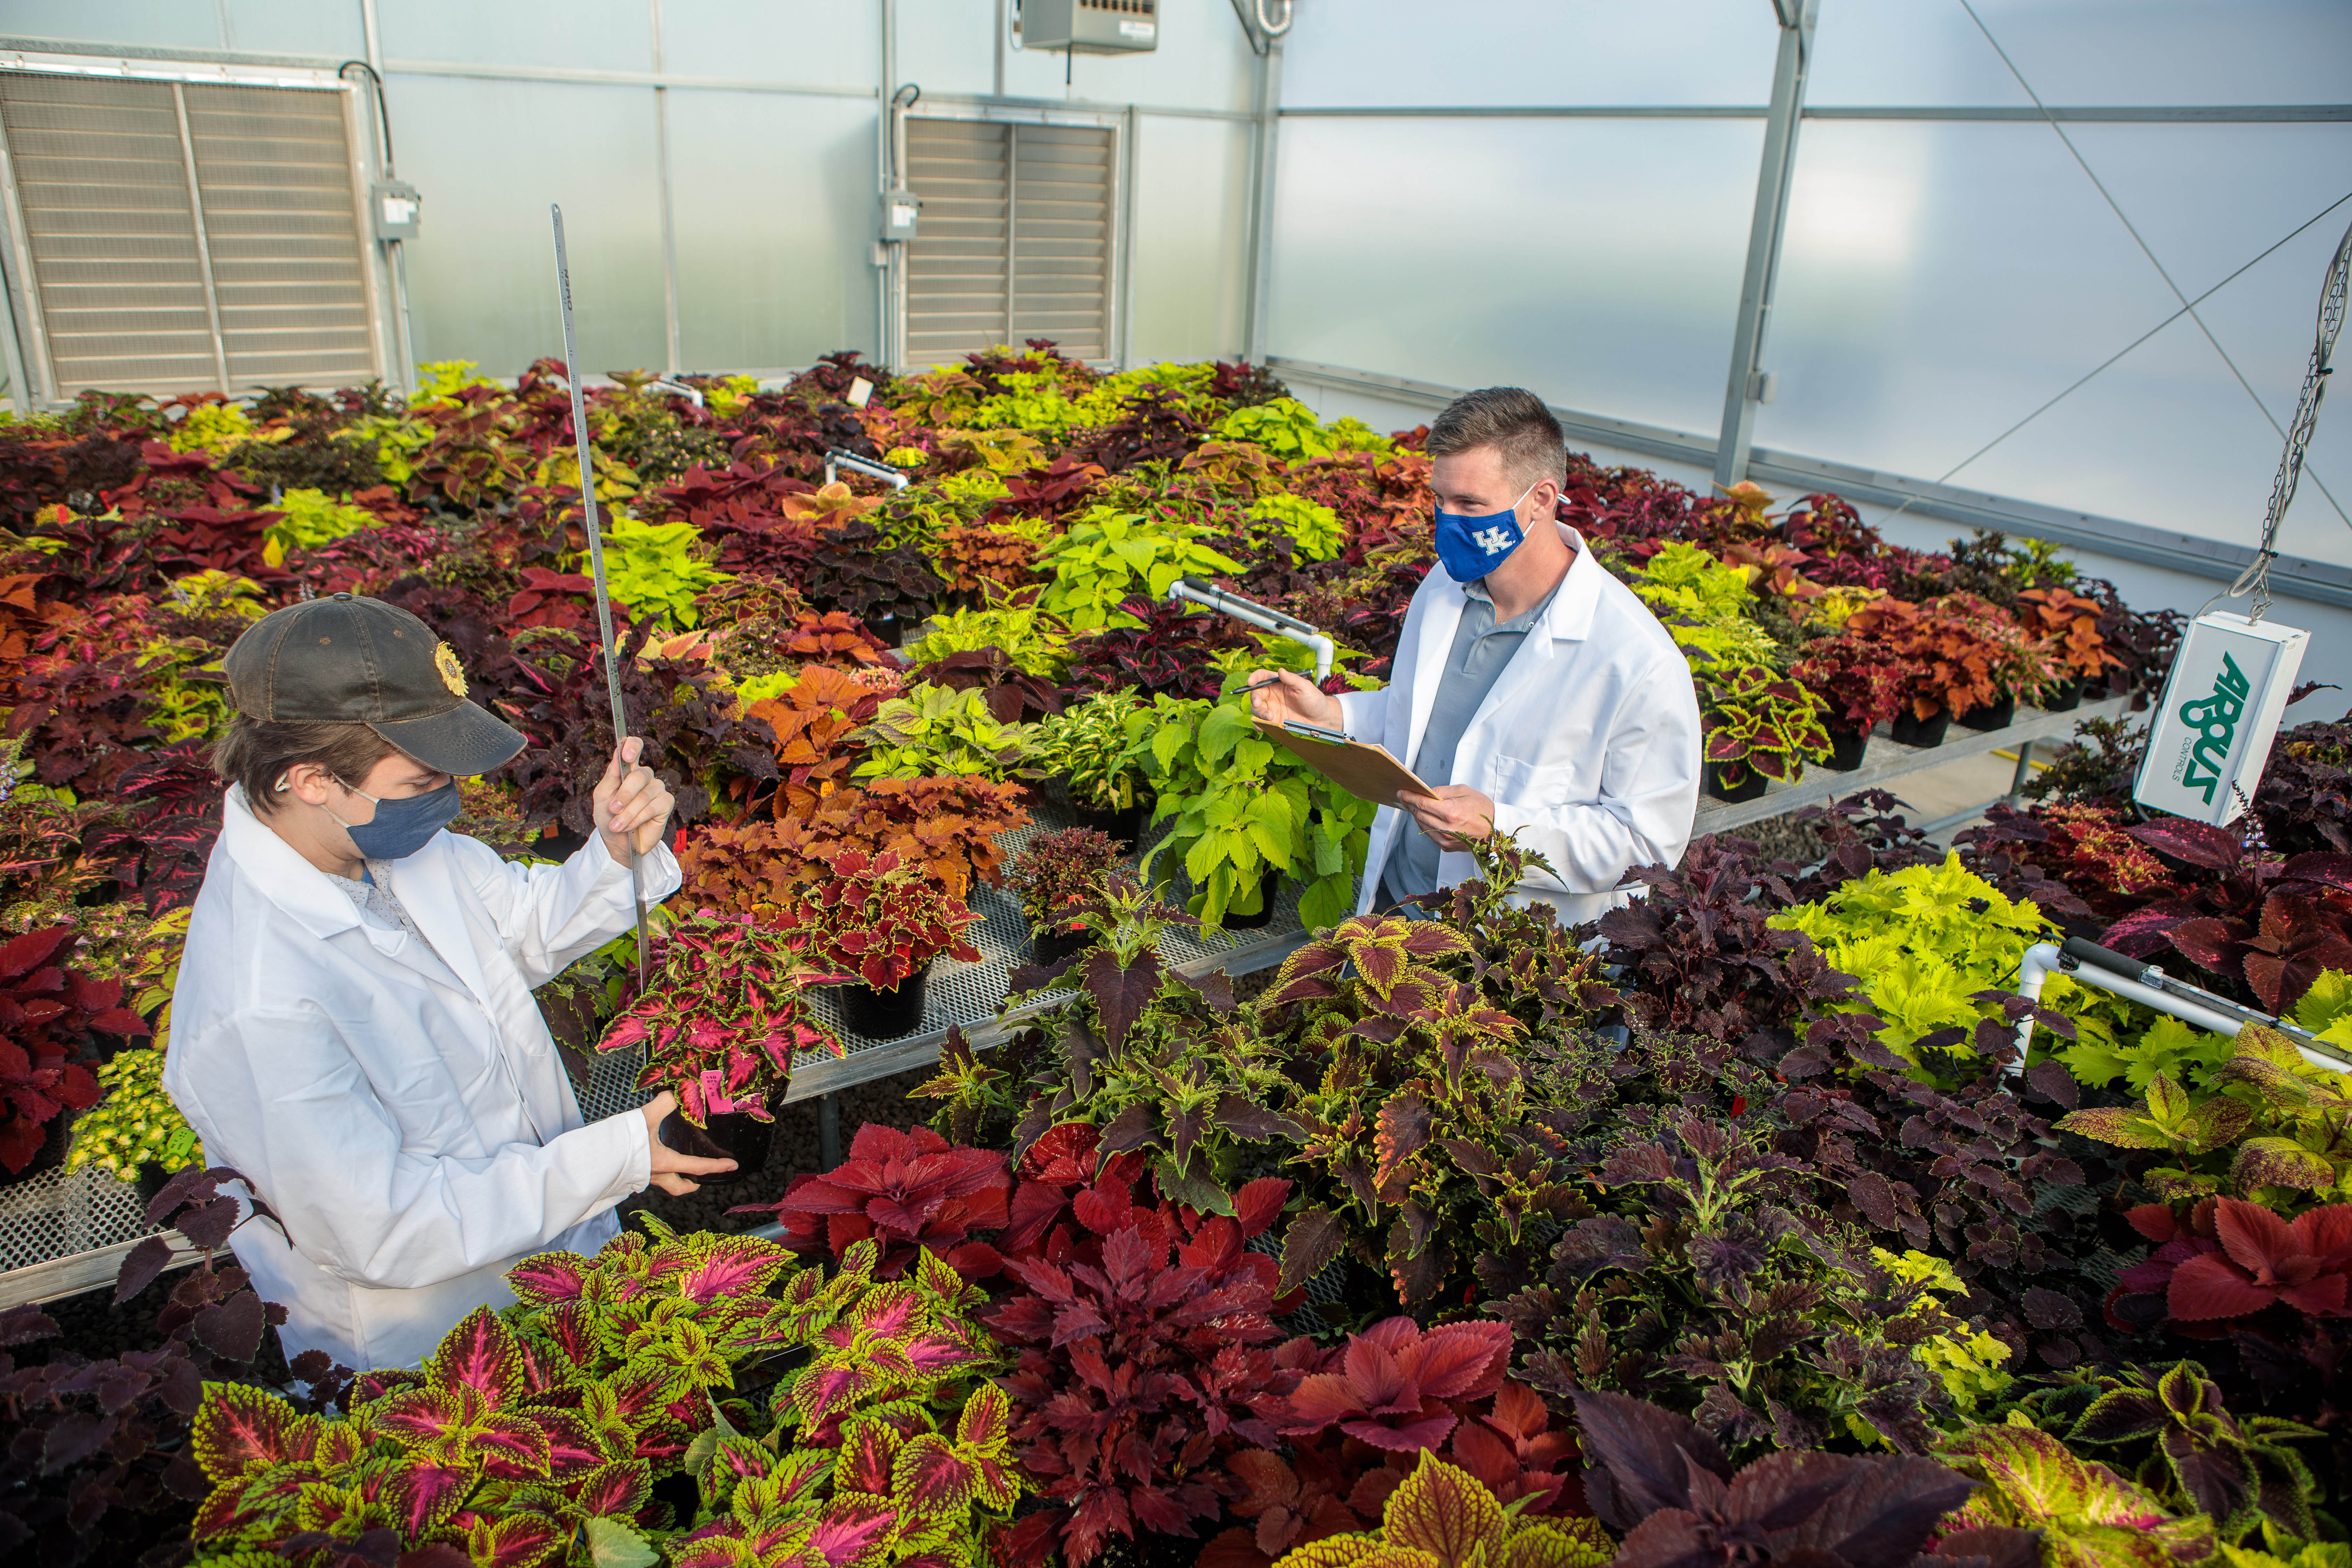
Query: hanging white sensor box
(2206, 745)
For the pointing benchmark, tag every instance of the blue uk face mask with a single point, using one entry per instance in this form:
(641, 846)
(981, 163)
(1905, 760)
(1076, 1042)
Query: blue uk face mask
(1471, 545)
(404, 826)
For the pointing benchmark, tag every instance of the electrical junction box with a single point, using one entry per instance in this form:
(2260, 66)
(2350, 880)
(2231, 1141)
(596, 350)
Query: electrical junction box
(1090, 26)
(395, 204)
(2230, 685)
(902, 214)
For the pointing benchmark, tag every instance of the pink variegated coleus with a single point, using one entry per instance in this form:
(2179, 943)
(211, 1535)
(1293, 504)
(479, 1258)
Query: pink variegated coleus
(723, 1019)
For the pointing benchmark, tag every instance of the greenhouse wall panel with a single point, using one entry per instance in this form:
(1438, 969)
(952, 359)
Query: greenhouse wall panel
(2116, 52)
(1612, 287)
(569, 35)
(773, 203)
(1941, 281)
(1192, 226)
(498, 153)
(1518, 52)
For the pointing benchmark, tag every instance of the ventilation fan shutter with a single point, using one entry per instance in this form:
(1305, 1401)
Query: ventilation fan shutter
(1016, 240)
(188, 236)
(118, 277)
(1061, 238)
(274, 173)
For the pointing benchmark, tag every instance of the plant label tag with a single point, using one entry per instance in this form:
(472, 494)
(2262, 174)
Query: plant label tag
(860, 389)
(2207, 743)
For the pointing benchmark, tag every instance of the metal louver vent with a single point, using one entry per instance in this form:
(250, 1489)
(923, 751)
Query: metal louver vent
(1016, 239)
(186, 236)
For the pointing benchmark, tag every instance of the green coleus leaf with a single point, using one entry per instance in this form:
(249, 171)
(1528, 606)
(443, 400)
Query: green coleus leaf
(2272, 1162)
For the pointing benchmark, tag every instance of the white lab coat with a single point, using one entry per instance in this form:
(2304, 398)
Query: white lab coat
(400, 1107)
(1588, 743)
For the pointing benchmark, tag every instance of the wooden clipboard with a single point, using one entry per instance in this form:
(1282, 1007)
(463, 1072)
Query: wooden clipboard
(1366, 771)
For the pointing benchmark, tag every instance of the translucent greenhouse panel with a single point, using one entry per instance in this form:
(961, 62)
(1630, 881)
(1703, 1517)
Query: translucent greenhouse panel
(809, 43)
(482, 278)
(1421, 248)
(158, 24)
(772, 265)
(295, 27)
(1941, 281)
(2082, 52)
(1203, 62)
(1192, 237)
(1399, 52)
(577, 35)
(947, 46)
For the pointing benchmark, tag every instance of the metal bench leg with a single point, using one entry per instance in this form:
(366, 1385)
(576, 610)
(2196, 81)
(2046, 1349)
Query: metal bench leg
(828, 1130)
(2024, 772)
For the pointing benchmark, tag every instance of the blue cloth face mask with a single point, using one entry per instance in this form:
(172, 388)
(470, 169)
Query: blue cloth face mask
(401, 827)
(1471, 545)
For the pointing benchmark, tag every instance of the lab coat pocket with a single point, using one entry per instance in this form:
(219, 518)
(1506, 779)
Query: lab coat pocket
(1508, 779)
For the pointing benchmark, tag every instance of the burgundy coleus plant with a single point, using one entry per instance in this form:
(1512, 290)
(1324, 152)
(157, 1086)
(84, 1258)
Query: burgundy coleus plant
(1139, 1375)
(47, 1012)
(1331, 1484)
(907, 1191)
(723, 1019)
(2231, 1259)
(2273, 924)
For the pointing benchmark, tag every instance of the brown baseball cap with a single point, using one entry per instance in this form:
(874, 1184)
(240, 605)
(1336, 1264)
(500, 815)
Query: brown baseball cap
(346, 659)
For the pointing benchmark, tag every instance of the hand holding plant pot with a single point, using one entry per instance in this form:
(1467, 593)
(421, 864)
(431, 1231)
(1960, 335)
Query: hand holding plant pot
(720, 1023)
(881, 919)
(1761, 725)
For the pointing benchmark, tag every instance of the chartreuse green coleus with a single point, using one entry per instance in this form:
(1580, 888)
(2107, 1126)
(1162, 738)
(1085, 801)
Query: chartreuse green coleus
(1922, 943)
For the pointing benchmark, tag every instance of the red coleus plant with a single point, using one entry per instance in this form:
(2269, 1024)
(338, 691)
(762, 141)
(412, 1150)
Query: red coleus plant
(907, 1191)
(1362, 1416)
(47, 1010)
(723, 1019)
(1391, 1385)
(1140, 1375)
(881, 917)
(2230, 1259)
(1861, 683)
(2273, 924)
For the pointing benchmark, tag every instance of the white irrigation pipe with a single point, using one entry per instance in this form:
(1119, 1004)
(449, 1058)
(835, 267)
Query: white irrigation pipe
(1258, 615)
(2151, 987)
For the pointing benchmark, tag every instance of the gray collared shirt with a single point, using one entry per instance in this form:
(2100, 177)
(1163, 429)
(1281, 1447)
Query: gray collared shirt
(373, 897)
(1481, 650)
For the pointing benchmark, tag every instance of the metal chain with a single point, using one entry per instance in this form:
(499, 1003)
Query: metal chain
(2256, 577)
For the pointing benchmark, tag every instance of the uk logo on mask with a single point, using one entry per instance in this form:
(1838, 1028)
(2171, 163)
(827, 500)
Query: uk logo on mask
(1493, 541)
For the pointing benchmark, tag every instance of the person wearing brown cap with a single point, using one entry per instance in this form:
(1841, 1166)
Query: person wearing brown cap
(353, 1028)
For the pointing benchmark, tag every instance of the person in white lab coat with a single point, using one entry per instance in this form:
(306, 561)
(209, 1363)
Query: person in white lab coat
(1531, 689)
(353, 1028)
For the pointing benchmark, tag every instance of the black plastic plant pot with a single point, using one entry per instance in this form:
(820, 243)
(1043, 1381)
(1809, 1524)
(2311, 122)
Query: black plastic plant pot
(885, 1014)
(1911, 732)
(1052, 946)
(150, 1182)
(734, 1135)
(1269, 890)
(1123, 823)
(1750, 786)
(2064, 697)
(1846, 751)
(1998, 715)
